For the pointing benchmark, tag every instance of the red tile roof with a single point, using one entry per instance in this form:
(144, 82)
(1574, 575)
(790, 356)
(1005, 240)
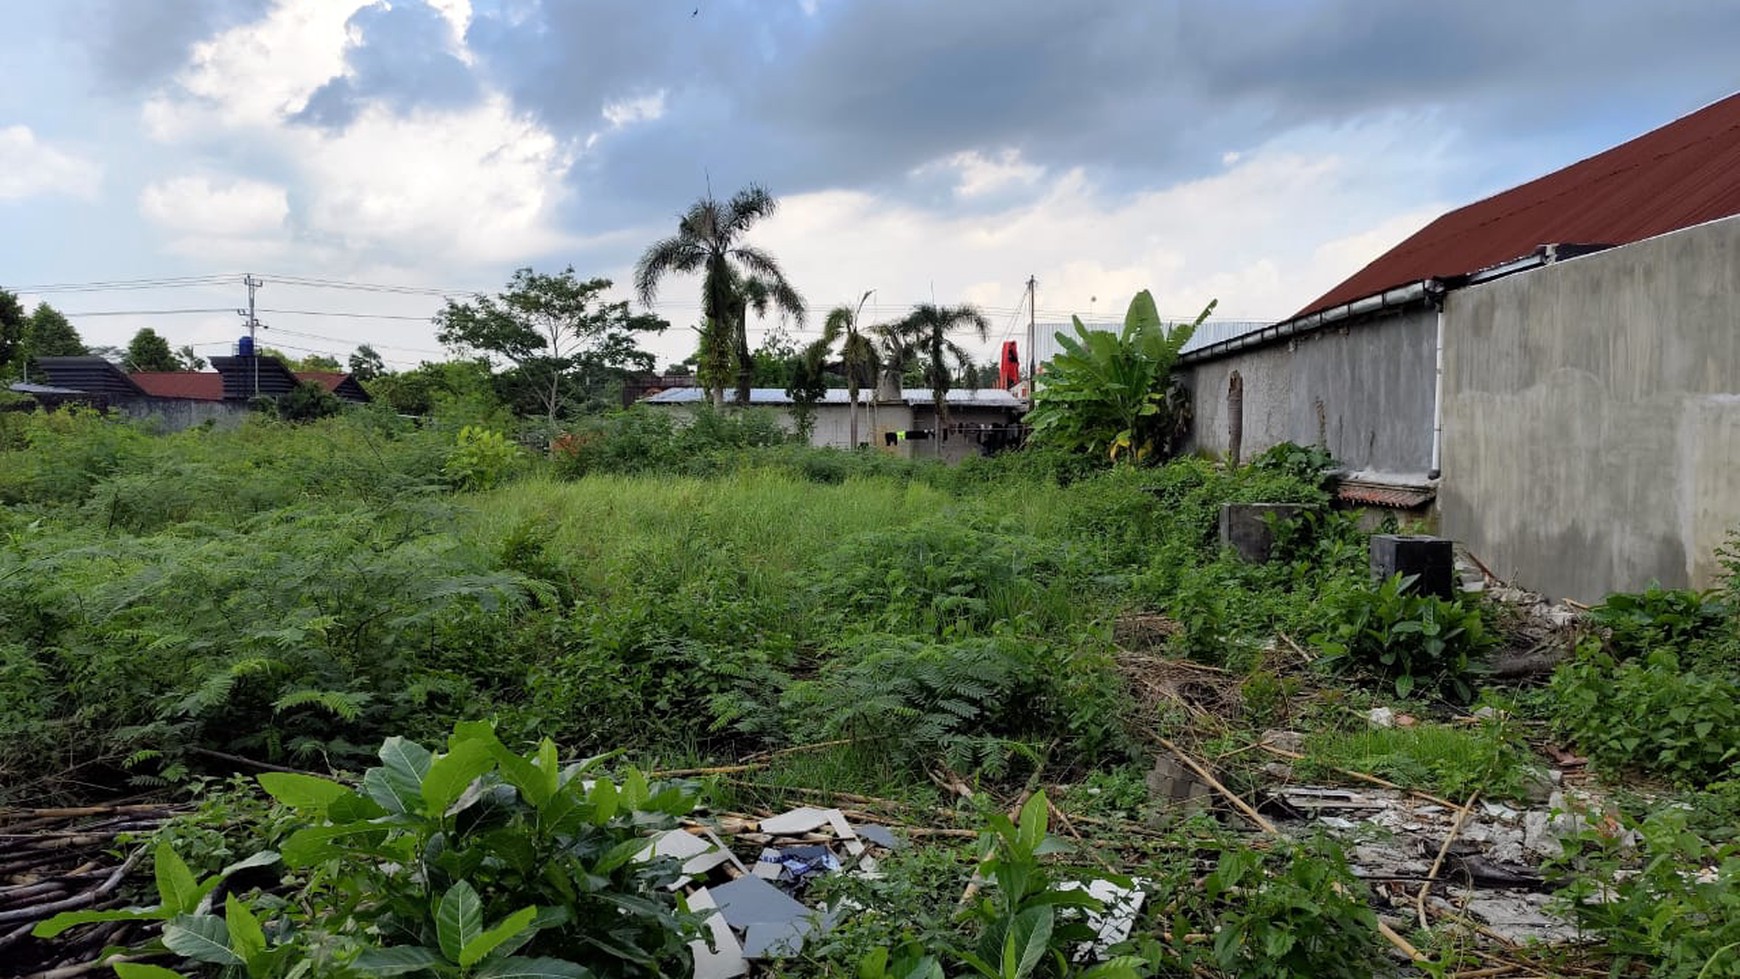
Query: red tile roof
(330, 380)
(1685, 173)
(190, 385)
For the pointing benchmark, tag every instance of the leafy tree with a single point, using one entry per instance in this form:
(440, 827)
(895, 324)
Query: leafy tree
(50, 335)
(1112, 392)
(556, 331)
(308, 401)
(13, 325)
(809, 384)
(150, 352)
(858, 358)
(927, 330)
(435, 388)
(317, 362)
(189, 360)
(366, 365)
(735, 277)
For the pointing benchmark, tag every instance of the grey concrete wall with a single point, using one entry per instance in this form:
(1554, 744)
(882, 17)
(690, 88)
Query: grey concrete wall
(176, 414)
(1373, 380)
(1592, 416)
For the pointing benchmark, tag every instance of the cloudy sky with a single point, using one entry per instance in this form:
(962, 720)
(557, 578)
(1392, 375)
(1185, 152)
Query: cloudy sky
(1256, 151)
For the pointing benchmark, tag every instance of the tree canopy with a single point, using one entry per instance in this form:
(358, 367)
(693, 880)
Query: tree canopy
(735, 278)
(148, 351)
(565, 341)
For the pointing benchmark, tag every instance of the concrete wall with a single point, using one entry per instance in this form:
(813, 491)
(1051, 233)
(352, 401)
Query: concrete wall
(1592, 416)
(1362, 390)
(177, 414)
(832, 428)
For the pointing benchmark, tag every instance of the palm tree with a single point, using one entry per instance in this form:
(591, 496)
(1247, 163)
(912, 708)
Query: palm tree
(858, 357)
(927, 330)
(734, 276)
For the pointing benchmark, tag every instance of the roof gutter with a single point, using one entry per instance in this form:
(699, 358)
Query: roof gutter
(1388, 299)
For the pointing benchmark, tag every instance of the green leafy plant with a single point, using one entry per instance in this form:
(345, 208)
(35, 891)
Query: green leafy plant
(1649, 714)
(474, 862)
(1110, 393)
(480, 459)
(1412, 640)
(1671, 905)
(1291, 912)
(1658, 618)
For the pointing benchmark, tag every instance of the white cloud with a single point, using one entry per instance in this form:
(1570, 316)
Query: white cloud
(977, 175)
(232, 208)
(437, 189)
(31, 168)
(645, 108)
(1266, 235)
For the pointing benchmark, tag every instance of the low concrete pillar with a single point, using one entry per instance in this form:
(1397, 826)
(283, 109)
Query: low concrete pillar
(1432, 560)
(1246, 527)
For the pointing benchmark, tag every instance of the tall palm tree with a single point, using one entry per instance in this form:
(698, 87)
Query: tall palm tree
(927, 330)
(858, 357)
(735, 277)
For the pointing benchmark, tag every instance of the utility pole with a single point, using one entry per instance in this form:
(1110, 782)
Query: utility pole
(253, 327)
(1032, 332)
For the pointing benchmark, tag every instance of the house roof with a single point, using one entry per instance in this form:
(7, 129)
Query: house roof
(982, 398)
(188, 385)
(1683, 174)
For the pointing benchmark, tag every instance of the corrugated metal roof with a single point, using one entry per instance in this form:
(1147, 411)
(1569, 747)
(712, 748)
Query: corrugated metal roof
(1379, 494)
(1683, 174)
(982, 398)
(188, 385)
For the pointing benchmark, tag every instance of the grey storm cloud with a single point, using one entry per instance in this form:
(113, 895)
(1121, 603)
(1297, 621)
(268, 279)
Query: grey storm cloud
(136, 44)
(862, 93)
(401, 55)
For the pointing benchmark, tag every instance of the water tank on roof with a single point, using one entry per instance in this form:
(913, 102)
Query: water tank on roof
(245, 347)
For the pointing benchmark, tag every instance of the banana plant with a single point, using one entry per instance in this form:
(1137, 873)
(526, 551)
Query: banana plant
(1111, 393)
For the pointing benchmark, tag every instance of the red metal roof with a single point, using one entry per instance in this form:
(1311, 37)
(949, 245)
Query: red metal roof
(1685, 173)
(330, 380)
(190, 385)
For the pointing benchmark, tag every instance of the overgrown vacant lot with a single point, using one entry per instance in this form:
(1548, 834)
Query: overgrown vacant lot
(743, 626)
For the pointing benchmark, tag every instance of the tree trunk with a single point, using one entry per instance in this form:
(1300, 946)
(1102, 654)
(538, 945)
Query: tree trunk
(745, 359)
(852, 417)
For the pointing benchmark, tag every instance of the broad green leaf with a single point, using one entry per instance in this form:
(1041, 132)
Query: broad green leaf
(142, 970)
(618, 855)
(301, 792)
(523, 774)
(201, 937)
(397, 960)
(247, 939)
(398, 783)
(605, 800)
(68, 919)
(265, 858)
(634, 789)
(354, 807)
(458, 919)
(1034, 818)
(313, 844)
(550, 767)
(1029, 938)
(176, 887)
(524, 968)
(449, 775)
(509, 927)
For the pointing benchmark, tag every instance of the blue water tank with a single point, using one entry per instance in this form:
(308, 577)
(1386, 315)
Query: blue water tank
(245, 347)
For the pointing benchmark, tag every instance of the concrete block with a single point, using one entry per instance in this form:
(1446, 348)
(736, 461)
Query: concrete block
(1432, 560)
(1245, 527)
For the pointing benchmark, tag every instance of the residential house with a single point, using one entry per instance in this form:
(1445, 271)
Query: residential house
(1558, 365)
(179, 399)
(902, 423)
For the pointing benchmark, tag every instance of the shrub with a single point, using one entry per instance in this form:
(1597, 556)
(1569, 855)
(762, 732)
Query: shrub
(1412, 640)
(480, 459)
(1649, 714)
(1671, 906)
(404, 874)
(1658, 618)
